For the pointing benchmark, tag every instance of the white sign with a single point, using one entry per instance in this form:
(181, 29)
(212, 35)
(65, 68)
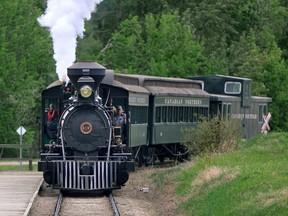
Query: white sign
(21, 131)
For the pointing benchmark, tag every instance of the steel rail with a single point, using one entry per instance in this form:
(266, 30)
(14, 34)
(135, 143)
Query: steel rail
(114, 206)
(58, 204)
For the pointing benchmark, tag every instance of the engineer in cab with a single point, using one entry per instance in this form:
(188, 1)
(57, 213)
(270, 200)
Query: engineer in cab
(119, 122)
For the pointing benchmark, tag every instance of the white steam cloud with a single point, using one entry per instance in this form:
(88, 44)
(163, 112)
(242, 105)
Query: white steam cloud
(65, 19)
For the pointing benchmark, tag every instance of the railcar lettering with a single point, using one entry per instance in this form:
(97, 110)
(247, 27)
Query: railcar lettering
(182, 102)
(137, 100)
(242, 116)
(193, 102)
(173, 101)
(140, 100)
(250, 116)
(237, 116)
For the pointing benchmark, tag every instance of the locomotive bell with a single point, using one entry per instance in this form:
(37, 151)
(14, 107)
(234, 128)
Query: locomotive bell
(86, 77)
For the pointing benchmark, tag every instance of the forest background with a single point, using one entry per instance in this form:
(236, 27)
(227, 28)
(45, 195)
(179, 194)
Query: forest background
(155, 37)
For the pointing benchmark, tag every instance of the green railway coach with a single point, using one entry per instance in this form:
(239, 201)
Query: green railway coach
(231, 97)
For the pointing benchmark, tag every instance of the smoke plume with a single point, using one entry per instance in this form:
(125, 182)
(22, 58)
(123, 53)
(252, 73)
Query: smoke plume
(65, 20)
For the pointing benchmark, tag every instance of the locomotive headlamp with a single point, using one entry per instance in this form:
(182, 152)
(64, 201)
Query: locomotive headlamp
(86, 91)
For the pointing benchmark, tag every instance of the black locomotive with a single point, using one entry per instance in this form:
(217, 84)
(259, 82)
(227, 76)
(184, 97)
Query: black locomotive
(80, 152)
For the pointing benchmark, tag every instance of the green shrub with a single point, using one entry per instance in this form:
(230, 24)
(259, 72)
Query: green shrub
(213, 135)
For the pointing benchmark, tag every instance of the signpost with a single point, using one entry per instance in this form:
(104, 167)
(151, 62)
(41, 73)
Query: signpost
(265, 128)
(21, 131)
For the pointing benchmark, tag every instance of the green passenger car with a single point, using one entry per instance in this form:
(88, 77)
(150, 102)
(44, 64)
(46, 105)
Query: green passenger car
(231, 97)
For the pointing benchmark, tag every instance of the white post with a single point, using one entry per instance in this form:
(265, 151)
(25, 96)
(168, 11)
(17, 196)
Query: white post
(21, 131)
(21, 150)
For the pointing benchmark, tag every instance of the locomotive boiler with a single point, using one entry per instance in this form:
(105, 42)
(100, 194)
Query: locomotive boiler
(80, 153)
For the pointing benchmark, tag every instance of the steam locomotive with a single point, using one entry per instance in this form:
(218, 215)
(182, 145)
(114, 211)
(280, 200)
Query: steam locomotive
(80, 153)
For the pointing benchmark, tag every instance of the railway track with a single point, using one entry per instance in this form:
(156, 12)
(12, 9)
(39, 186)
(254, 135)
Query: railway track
(93, 205)
(131, 201)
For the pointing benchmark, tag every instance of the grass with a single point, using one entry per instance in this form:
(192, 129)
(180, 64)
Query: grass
(253, 180)
(15, 165)
(17, 168)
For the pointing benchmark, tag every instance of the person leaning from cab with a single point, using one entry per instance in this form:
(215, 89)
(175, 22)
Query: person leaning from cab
(52, 117)
(53, 114)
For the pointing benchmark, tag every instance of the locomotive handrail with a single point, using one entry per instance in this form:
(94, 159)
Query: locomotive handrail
(109, 144)
(62, 141)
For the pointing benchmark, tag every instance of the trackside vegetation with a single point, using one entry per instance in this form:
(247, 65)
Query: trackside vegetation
(14, 165)
(251, 180)
(213, 135)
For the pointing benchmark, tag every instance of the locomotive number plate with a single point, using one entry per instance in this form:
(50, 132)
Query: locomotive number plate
(86, 128)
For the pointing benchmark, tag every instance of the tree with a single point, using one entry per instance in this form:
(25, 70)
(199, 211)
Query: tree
(215, 24)
(110, 13)
(123, 51)
(90, 45)
(24, 68)
(246, 60)
(261, 60)
(163, 46)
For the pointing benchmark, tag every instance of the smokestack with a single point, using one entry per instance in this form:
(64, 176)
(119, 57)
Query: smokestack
(65, 20)
(86, 76)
